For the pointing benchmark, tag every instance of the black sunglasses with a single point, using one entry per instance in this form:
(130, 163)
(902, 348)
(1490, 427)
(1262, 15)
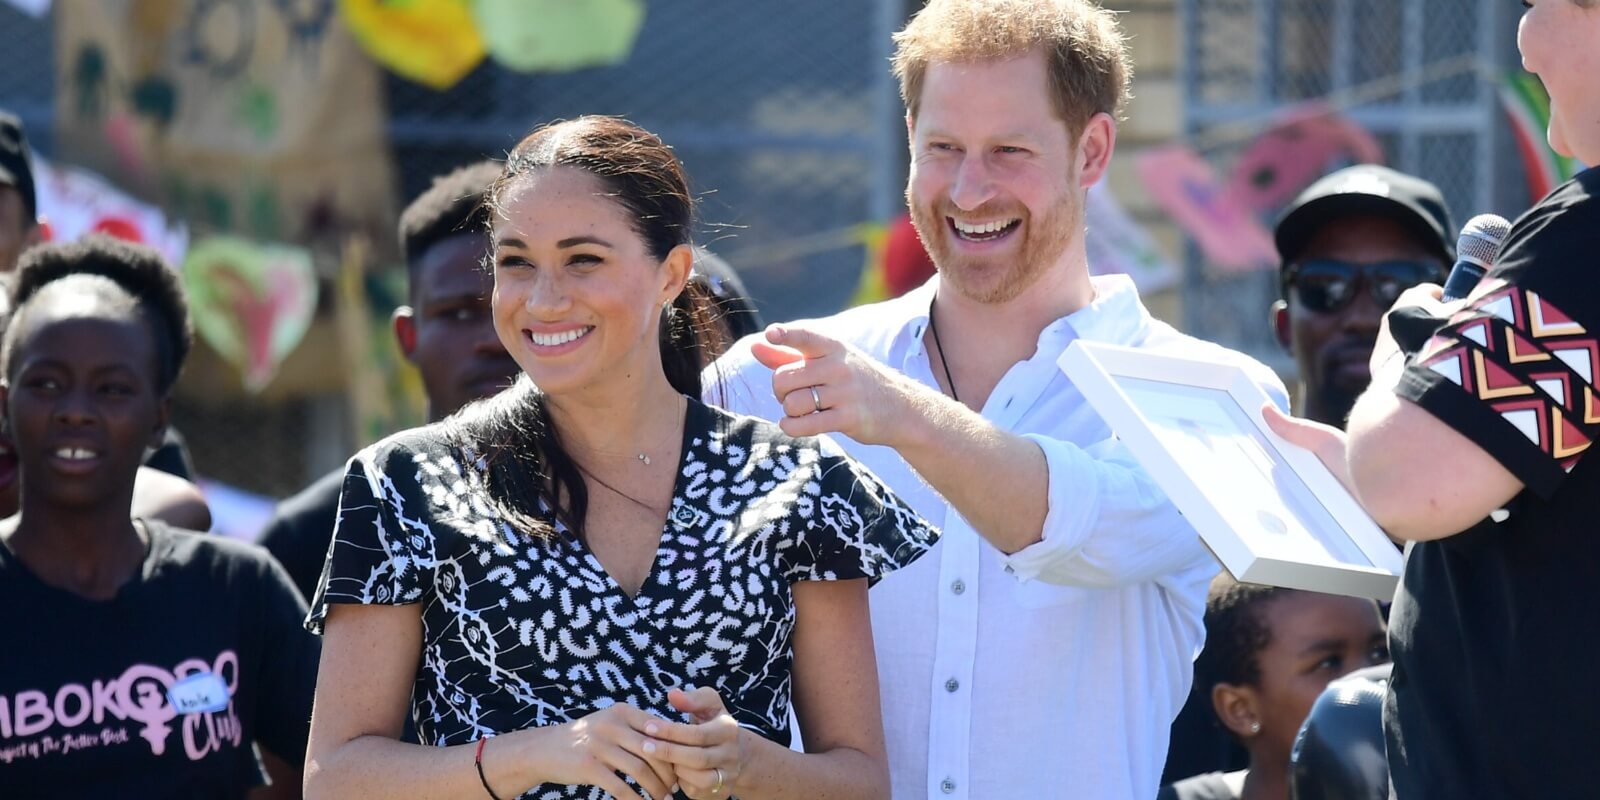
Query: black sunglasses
(1326, 285)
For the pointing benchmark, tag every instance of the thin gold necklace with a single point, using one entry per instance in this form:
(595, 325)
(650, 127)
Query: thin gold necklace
(642, 456)
(618, 492)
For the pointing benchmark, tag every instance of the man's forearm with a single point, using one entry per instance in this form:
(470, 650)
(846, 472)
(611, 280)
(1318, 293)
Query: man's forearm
(998, 481)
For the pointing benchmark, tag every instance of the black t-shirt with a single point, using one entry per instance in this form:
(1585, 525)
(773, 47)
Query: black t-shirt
(160, 691)
(301, 529)
(520, 631)
(172, 456)
(1494, 630)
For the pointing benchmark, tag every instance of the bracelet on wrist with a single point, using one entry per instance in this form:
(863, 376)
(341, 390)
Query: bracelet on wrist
(477, 760)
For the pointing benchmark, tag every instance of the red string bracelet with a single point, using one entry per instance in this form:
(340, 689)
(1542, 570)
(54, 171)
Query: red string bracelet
(477, 760)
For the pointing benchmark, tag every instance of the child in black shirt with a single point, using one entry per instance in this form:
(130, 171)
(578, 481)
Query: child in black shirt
(140, 660)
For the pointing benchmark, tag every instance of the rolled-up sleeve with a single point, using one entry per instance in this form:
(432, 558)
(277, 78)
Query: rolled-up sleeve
(1108, 523)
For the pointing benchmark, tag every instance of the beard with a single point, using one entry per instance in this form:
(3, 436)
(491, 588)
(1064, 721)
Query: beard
(1001, 277)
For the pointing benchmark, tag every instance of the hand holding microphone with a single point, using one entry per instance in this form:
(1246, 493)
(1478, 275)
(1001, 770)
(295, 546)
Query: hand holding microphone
(1418, 312)
(1476, 251)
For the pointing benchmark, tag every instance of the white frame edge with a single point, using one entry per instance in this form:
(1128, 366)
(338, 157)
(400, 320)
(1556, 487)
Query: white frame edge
(1091, 367)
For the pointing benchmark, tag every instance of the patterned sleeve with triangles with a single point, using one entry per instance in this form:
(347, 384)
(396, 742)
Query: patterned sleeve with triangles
(1515, 370)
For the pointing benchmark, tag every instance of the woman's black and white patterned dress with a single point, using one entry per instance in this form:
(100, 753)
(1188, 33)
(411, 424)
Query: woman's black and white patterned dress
(521, 631)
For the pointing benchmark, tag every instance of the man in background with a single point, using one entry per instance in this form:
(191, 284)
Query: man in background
(1348, 246)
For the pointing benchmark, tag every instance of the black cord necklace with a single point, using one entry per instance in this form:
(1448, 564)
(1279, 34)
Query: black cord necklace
(933, 328)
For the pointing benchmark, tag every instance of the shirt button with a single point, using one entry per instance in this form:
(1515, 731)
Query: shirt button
(958, 587)
(947, 786)
(952, 685)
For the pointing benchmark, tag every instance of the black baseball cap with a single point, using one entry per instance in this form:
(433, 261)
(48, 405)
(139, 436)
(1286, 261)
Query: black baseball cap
(16, 165)
(1368, 190)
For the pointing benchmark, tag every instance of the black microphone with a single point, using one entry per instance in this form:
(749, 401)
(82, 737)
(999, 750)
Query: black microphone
(1476, 252)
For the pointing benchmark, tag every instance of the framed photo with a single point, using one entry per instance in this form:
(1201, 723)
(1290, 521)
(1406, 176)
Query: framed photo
(1269, 510)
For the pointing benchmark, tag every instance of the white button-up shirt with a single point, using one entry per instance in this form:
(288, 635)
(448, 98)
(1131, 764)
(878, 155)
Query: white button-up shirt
(1055, 671)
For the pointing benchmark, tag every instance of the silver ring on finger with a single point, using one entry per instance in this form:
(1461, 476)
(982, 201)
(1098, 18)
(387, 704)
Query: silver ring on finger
(816, 400)
(716, 790)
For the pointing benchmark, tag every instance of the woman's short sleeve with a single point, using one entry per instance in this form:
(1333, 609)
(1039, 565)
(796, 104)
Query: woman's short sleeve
(383, 547)
(853, 526)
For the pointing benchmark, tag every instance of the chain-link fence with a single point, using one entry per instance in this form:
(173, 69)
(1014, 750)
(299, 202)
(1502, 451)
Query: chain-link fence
(784, 114)
(1420, 75)
(27, 72)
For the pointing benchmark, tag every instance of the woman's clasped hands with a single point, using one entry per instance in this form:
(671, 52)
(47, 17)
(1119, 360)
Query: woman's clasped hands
(709, 753)
(703, 758)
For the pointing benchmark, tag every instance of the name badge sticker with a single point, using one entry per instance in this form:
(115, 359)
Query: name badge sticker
(200, 692)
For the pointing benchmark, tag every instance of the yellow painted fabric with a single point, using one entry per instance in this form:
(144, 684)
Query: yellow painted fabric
(433, 42)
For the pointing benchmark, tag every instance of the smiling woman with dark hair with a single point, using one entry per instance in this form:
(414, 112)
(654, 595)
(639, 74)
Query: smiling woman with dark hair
(592, 583)
(151, 660)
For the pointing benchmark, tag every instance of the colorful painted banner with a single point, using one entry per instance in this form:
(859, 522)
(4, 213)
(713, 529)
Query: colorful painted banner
(1118, 244)
(74, 202)
(251, 302)
(1294, 152)
(384, 393)
(1226, 229)
(260, 119)
(1528, 106)
(874, 283)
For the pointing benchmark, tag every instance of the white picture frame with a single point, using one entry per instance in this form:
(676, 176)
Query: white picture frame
(1268, 510)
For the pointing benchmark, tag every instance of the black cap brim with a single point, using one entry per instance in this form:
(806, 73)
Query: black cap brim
(1297, 228)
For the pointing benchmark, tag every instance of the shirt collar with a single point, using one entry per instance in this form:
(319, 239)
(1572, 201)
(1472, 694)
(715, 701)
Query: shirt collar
(909, 313)
(1115, 316)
